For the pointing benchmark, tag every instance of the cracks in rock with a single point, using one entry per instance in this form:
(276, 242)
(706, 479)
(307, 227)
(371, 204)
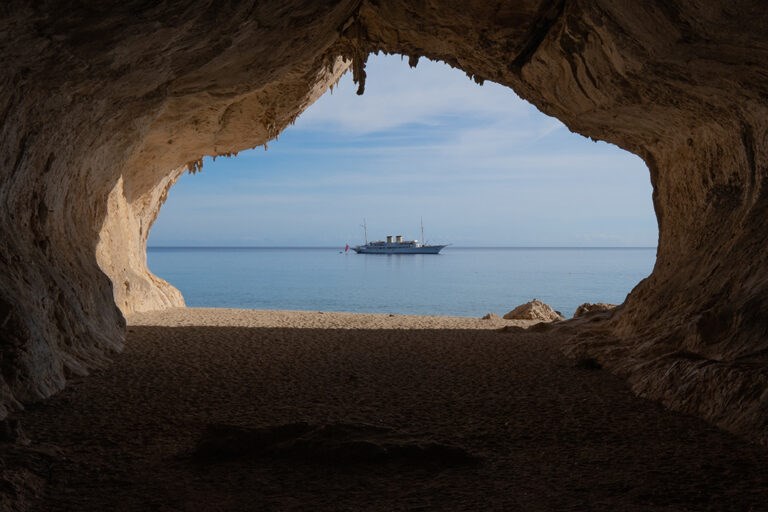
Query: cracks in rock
(748, 140)
(653, 169)
(38, 222)
(20, 155)
(228, 113)
(48, 163)
(40, 211)
(572, 43)
(549, 13)
(7, 110)
(570, 52)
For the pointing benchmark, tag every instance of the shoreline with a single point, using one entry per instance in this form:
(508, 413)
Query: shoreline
(239, 317)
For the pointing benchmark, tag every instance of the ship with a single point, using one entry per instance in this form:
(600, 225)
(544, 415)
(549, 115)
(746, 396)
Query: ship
(396, 245)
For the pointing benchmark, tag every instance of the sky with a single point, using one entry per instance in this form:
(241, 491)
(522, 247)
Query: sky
(481, 166)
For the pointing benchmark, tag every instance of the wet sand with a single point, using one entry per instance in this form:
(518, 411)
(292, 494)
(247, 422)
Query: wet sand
(329, 411)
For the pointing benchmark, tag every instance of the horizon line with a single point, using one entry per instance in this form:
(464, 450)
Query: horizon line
(453, 246)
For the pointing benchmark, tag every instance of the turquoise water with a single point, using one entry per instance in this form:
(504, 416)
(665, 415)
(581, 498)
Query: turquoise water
(457, 282)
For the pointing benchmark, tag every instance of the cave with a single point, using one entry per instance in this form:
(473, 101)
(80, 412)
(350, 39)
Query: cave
(105, 104)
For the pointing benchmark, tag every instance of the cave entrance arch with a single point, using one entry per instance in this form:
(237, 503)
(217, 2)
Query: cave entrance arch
(481, 166)
(98, 103)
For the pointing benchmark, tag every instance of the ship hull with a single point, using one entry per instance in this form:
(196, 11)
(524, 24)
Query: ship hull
(426, 249)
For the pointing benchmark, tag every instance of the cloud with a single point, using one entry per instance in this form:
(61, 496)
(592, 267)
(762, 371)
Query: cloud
(398, 96)
(481, 165)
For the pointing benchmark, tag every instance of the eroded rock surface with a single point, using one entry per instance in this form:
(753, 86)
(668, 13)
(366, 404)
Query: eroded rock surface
(102, 106)
(588, 307)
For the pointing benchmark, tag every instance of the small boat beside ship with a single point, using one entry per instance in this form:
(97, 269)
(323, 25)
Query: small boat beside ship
(396, 245)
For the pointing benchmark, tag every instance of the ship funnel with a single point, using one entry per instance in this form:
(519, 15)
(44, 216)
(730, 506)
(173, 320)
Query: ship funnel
(389, 239)
(399, 239)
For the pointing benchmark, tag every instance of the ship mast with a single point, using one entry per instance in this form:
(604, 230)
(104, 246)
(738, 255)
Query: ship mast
(365, 230)
(422, 231)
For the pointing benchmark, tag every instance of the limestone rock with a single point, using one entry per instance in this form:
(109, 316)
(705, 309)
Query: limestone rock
(592, 308)
(491, 316)
(534, 310)
(102, 107)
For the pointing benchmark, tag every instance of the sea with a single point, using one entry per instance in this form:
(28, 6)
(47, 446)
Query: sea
(460, 281)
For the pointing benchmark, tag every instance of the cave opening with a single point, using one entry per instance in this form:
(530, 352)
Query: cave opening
(531, 209)
(104, 106)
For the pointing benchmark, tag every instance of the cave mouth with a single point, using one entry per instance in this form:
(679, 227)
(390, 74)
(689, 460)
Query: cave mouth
(104, 108)
(466, 158)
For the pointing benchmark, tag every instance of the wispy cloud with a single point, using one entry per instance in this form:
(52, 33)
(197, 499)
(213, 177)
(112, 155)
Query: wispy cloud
(398, 96)
(481, 165)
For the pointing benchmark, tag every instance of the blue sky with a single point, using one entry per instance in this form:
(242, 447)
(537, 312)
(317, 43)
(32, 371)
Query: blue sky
(480, 165)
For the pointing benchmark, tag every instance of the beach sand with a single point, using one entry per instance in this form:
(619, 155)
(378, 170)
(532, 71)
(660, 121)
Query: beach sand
(332, 411)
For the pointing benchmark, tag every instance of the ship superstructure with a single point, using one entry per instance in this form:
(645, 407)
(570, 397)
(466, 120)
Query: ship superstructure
(396, 244)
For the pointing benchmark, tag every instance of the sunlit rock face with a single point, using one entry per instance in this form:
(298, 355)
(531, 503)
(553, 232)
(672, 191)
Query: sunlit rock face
(104, 107)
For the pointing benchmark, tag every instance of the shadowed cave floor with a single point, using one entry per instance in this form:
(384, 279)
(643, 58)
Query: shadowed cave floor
(393, 419)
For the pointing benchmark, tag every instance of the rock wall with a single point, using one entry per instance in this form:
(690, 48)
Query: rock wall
(122, 249)
(683, 85)
(103, 106)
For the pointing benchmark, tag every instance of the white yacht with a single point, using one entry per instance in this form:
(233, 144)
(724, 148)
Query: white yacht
(396, 245)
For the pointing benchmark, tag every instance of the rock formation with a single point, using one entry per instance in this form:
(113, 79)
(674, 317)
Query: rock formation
(103, 106)
(587, 308)
(533, 310)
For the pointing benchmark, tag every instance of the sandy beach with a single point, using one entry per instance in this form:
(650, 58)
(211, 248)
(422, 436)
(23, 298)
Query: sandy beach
(214, 409)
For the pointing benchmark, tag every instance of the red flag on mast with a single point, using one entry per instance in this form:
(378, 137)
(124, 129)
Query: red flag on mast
(346, 248)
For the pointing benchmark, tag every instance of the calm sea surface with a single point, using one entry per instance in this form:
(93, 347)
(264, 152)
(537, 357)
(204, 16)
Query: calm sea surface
(457, 282)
